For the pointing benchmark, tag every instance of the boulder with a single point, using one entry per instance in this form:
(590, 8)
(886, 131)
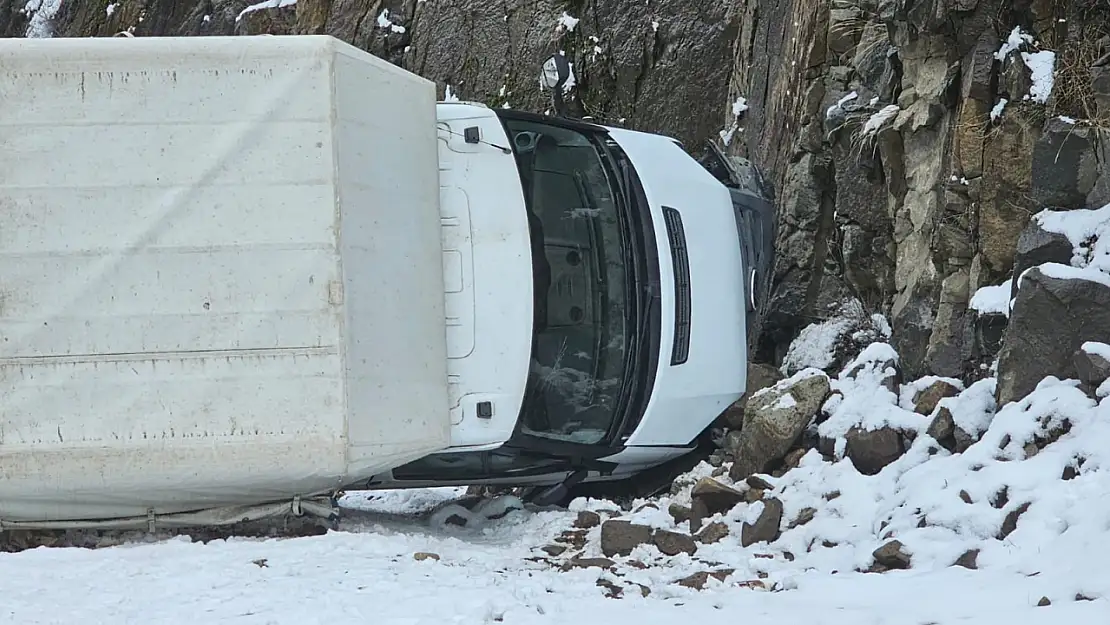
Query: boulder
(872, 450)
(773, 422)
(712, 533)
(587, 519)
(943, 429)
(892, 556)
(1065, 164)
(673, 543)
(1092, 363)
(766, 527)
(710, 497)
(1036, 246)
(1052, 318)
(760, 376)
(925, 400)
(619, 538)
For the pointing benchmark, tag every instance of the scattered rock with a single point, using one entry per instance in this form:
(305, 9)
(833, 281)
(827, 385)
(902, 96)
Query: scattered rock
(711, 497)
(698, 580)
(674, 543)
(554, 550)
(1044, 602)
(612, 590)
(712, 533)
(963, 439)
(587, 563)
(587, 519)
(679, 512)
(926, 400)
(576, 538)
(1009, 524)
(773, 422)
(621, 537)
(420, 556)
(1093, 369)
(892, 555)
(804, 516)
(261, 563)
(872, 450)
(755, 481)
(943, 429)
(766, 527)
(794, 457)
(969, 559)
(1082, 597)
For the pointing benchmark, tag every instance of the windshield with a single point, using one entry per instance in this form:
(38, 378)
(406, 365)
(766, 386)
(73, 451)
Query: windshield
(581, 332)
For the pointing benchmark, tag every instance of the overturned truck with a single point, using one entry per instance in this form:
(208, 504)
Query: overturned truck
(241, 274)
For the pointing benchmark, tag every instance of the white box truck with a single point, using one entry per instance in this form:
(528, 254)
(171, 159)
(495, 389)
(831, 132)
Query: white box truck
(240, 274)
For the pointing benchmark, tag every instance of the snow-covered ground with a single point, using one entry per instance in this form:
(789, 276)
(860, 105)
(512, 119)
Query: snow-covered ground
(367, 573)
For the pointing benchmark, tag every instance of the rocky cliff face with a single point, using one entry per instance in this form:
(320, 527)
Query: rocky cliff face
(910, 140)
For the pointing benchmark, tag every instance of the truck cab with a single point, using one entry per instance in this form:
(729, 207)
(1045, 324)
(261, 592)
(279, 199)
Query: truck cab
(608, 278)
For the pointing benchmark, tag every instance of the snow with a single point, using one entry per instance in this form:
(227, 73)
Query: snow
(491, 571)
(111, 8)
(831, 111)
(449, 96)
(385, 22)
(42, 14)
(876, 121)
(993, 299)
(1097, 349)
(739, 106)
(1014, 42)
(998, 109)
(267, 4)
(1087, 230)
(1041, 64)
(567, 23)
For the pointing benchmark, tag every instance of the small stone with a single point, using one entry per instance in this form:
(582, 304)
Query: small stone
(965, 496)
(804, 516)
(753, 495)
(1069, 473)
(679, 512)
(872, 450)
(587, 519)
(420, 556)
(794, 458)
(1044, 602)
(717, 497)
(755, 481)
(969, 559)
(892, 556)
(1009, 524)
(696, 581)
(554, 550)
(766, 527)
(674, 543)
(613, 591)
(713, 533)
(621, 537)
(925, 401)
(943, 428)
(1082, 597)
(587, 563)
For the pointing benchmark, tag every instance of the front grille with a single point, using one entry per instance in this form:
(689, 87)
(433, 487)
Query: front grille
(680, 259)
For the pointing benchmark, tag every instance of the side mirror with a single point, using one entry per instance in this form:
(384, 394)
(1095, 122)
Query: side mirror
(554, 76)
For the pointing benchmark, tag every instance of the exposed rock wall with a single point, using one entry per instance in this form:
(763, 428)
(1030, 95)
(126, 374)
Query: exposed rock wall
(906, 152)
(910, 195)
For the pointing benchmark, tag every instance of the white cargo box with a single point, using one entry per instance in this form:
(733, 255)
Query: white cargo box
(221, 274)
